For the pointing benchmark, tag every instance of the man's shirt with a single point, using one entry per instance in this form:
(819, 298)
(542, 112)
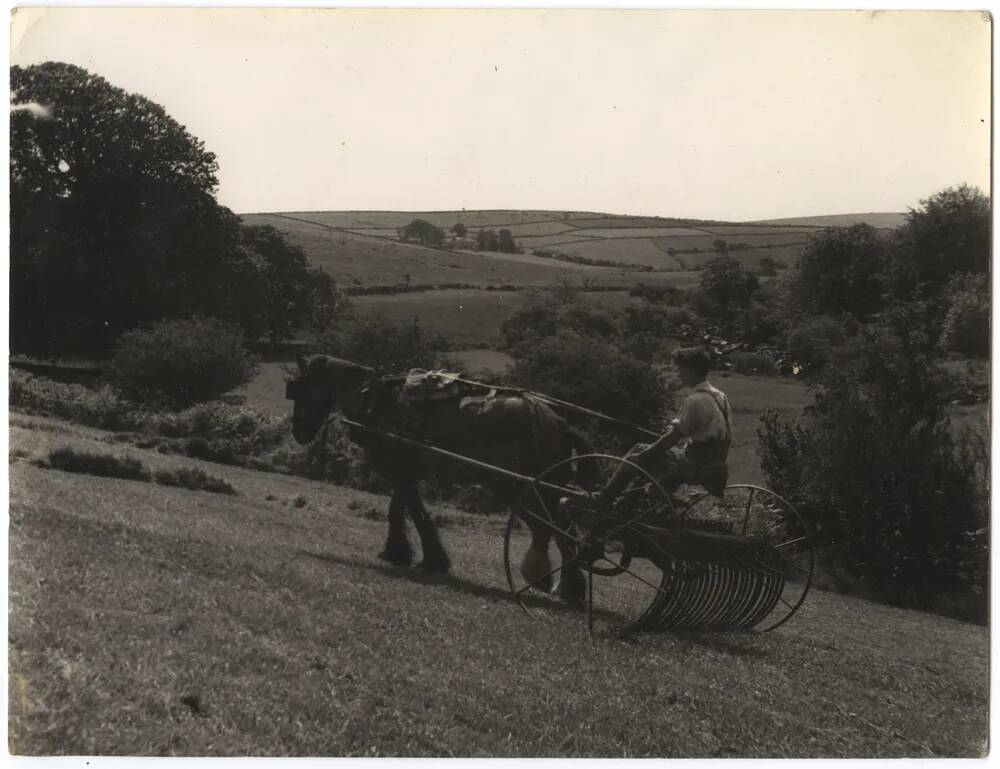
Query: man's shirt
(704, 414)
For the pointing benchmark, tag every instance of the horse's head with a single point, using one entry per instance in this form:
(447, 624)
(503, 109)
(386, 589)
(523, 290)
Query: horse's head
(323, 385)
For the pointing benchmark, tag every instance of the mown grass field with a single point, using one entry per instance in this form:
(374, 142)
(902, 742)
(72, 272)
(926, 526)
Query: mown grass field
(147, 620)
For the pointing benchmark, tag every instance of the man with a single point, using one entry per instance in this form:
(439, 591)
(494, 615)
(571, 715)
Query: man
(694, 448)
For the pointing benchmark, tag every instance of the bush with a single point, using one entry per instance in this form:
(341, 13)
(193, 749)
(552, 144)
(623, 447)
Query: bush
(662, 294)
(875, 467)
(101, 407)
(218, 432)
(374, 340)
(177, 363)
(592, 373)
(967, 321)
(813, 341)
(105, 465)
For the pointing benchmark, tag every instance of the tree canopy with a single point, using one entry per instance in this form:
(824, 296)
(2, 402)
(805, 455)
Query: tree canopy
(113, 215)
(114, 223)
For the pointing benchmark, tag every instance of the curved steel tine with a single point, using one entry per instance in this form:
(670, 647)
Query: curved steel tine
(590, 605)
(746, 513)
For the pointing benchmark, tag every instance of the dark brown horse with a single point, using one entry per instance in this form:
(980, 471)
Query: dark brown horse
(511, 430)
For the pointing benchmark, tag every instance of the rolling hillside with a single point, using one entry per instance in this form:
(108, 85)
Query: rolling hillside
(883, 220)
(147, 620)
(363, 248)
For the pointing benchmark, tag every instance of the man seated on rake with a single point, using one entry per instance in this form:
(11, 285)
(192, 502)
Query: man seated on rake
(695, 446)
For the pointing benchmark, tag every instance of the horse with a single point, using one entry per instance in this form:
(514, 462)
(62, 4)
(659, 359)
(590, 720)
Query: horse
(512, 430)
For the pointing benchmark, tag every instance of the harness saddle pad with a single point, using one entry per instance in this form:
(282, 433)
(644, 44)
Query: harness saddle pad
(421, 386)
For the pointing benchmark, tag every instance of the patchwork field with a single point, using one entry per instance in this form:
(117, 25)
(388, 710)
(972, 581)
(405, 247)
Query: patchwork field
(362, 248)
(147, 620)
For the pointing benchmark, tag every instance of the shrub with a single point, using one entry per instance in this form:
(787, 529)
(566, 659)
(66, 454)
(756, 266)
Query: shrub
(193, 478)
(101, 407)
(177, 363)
(875, 467)
(813, 341)
(967, 321)
(592, 373)
(105, 465)
(218, 432)
(663, 294)
(374, 340)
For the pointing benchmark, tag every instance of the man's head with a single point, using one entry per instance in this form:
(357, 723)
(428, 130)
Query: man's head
(693, 365)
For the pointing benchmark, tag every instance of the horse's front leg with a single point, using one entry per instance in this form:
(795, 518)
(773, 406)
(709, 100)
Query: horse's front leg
(435, 560)
(397, 549)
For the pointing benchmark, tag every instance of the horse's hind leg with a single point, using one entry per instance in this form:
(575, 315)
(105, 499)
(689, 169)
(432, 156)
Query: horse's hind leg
(397, 547)
(435, 558)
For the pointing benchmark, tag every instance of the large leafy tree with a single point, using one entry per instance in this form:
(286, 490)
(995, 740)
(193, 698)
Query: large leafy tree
(113, 215)
(841, 272)
(949, 232)
(725, 288)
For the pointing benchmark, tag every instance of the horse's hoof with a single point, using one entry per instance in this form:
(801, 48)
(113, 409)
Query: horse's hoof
(396, 559)
(572, 594)
(434, 566)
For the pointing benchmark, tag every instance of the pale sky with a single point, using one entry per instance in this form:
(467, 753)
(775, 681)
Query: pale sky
(728, 115)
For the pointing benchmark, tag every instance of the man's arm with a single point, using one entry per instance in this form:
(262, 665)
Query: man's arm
(665, 442)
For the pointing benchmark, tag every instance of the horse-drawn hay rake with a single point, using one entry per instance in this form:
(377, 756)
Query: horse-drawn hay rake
(737, 562)
(740, 561)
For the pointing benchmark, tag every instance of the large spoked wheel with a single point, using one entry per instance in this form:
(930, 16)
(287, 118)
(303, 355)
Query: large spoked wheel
(757, 513)
(618, 541)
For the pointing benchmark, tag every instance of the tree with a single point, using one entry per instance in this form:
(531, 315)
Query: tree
(725, 288)
(486, 240)
(113, 216)
(459, 229)
(505, 242)
(950, 232)
(282, 279)
(720, 245)
(326, 303)
(841, 271)
(423, 232)
(767, 266)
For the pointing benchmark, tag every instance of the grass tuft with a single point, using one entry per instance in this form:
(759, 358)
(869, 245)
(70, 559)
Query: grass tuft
(104, 465)
(195, 479)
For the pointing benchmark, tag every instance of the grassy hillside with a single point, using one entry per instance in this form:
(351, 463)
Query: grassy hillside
(363, 247)
(356, 259)
(147, 620)
(884, 219)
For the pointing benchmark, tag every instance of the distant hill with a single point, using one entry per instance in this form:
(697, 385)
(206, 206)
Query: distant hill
(887, 219)
(364, 248)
